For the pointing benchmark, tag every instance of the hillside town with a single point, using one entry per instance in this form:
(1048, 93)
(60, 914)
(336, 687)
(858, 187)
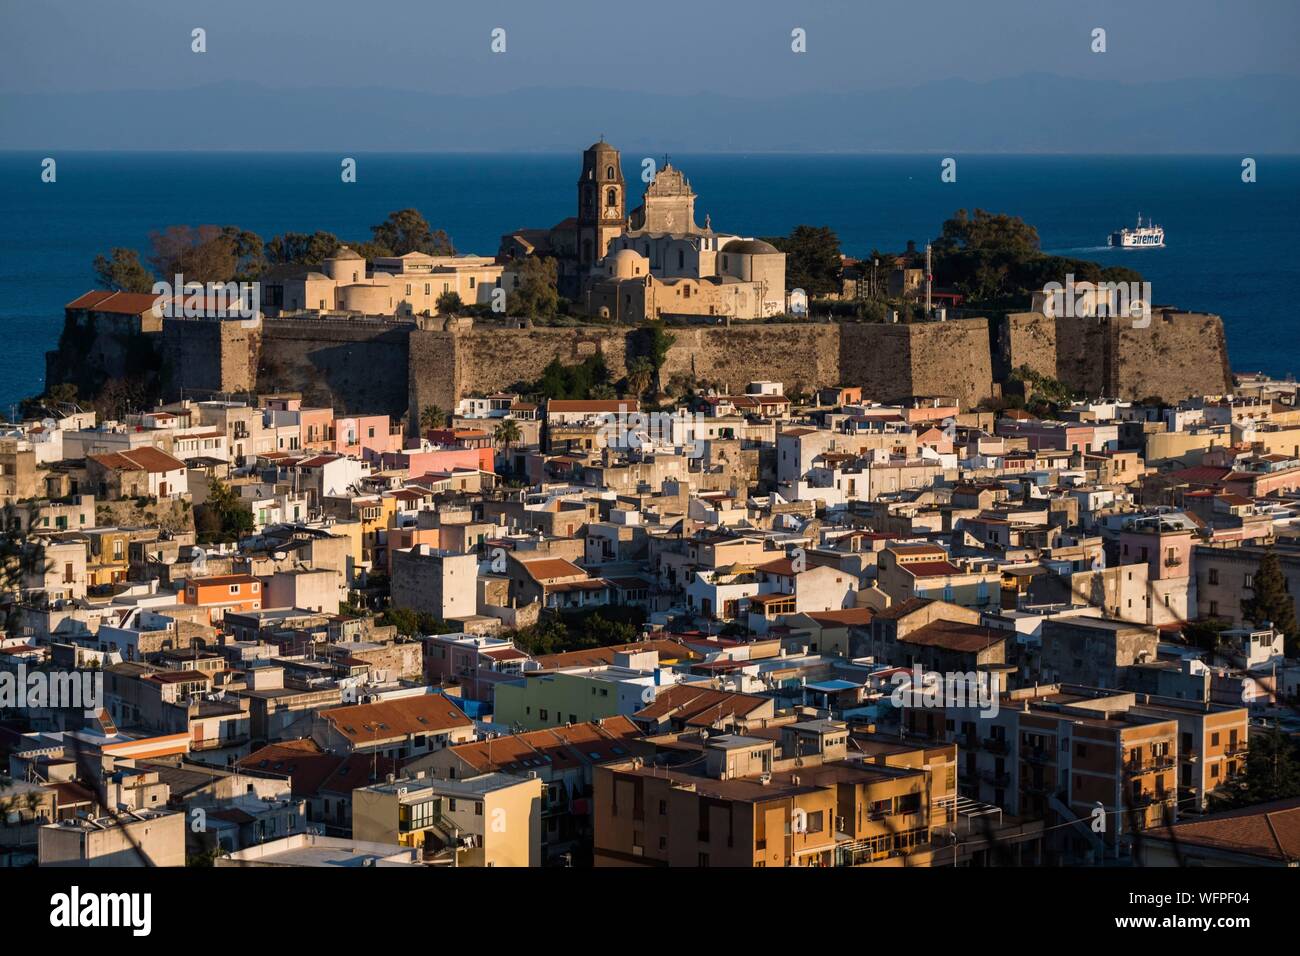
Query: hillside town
(746, 628)
(918, 603)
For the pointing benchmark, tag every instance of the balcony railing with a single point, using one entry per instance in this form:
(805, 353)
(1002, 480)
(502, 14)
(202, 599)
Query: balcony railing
(996, 746)
(1150, 798)
(1149, 765)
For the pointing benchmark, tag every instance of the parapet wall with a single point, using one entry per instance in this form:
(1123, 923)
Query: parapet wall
(1175, 356)
(891, 361)
(393, 367)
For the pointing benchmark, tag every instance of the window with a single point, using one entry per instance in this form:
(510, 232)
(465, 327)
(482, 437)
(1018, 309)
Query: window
(1214, 575)
(1249, 582)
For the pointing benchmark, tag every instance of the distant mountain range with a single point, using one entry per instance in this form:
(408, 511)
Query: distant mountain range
(1033, 113)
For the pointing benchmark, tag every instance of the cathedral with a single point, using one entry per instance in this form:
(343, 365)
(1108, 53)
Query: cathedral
(657, 261)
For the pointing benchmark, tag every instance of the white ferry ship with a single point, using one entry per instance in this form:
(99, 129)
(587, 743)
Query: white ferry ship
(1149, 236)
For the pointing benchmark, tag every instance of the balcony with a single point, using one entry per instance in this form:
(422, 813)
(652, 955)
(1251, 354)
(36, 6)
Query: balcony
(995, 746)
(1037, 755)
(1149, 765)
(995, 777)
(1149, 798)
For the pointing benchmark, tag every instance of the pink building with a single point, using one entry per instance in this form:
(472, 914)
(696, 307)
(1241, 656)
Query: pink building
(1164, 543)
(417, 462)
(366, 436)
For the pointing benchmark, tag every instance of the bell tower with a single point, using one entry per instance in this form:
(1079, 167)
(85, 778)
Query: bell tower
(602, 202)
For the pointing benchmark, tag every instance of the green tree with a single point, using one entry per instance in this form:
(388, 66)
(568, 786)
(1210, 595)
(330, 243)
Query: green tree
(658, 341)
(249, 252)
(223, 517)
(989, 232)
(121, 271)
(1271, 601)
(507, 435)
(302, 249)
(535, 296)
(404, 619)
(1272, 772)
(203, 254)
(579, 381)
(407, 231)
(640, 373)
(449, 303)
(429, 623)
(812, 259)
(432, 416)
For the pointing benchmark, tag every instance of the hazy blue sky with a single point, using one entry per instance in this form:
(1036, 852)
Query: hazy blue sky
(669, 46)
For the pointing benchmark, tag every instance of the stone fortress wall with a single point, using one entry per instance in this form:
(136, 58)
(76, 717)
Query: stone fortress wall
(392, 366)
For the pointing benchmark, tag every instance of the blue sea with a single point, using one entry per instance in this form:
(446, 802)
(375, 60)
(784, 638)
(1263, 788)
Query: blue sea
(1231, 246)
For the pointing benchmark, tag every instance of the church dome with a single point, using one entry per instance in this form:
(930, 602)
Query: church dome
(344, 252)
(750, 247)
(627, 264)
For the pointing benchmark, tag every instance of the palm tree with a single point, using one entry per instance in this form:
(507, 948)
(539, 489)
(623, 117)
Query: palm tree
(640, 372)
(507, 433)
(432, 417)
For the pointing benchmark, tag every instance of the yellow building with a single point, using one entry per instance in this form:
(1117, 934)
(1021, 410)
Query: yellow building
(491, 820)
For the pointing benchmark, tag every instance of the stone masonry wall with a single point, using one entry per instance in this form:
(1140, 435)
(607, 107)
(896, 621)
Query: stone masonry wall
(206, 357)
(355, 365)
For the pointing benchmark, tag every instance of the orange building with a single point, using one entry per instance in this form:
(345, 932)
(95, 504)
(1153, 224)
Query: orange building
(226, 592)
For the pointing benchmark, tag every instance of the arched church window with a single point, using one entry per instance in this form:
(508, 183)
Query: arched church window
(611, 198)
(609, 172)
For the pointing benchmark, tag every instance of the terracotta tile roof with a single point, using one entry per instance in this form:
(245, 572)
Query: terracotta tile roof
(147, 458)
(545, 569)
(312, 771)
(557, 747)
(597, 656)
(1269, 830)
(121, 303)
(954, 636)
(699, 706)
(930, 569)
(362, 723)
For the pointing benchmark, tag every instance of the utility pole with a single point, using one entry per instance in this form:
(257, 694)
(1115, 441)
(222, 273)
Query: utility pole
(929, 280)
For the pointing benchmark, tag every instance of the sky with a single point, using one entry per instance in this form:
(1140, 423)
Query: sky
(740, 48)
